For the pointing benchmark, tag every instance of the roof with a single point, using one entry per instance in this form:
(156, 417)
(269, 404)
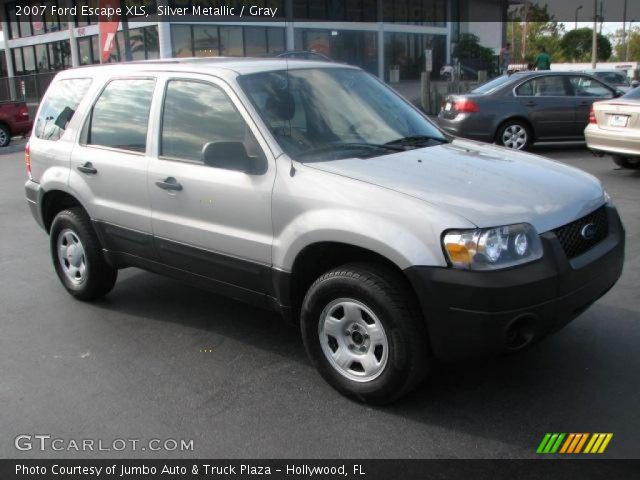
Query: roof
(239, 65)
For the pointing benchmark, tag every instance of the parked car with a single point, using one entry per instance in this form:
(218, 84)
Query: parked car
(304, 55)
(14, 120)
(616, 78)
(614, 129)
(314, 190)
(525, 107)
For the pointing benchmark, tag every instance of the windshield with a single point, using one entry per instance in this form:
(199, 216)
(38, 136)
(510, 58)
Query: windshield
(331, 113)
(492, 85)
(614, 78)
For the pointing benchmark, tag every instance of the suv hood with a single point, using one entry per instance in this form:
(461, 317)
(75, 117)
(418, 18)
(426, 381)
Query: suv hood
(486, 184)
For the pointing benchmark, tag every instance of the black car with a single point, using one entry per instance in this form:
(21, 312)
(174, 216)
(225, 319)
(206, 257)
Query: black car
(526, 107)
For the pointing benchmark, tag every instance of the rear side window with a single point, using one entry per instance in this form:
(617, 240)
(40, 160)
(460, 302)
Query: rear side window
(547, 86)
(58, 108)
(120, 116)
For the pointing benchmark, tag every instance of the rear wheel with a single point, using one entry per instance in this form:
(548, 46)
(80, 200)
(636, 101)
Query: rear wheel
(630, 163)
(5, 136)
(77, 256)
(364, 333)
(514, 134)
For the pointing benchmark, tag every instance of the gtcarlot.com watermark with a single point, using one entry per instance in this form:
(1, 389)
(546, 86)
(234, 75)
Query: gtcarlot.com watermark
(47, 443)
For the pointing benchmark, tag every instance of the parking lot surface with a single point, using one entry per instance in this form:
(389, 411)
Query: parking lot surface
(160, 359)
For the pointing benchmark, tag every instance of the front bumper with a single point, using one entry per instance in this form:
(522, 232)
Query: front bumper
(471, 313)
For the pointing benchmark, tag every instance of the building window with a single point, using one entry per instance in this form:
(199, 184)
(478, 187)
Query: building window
(228, 41)
(418, 12)
(41, 58)
(341, 10)
(352, 47)
(143, 44)
(406, 51)
(35, 22)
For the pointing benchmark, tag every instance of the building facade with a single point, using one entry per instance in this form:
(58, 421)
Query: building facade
(377, 35)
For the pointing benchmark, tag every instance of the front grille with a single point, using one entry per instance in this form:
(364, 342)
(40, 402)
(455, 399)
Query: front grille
(571, 238)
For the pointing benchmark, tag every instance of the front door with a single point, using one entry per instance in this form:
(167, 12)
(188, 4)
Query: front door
(210, 185)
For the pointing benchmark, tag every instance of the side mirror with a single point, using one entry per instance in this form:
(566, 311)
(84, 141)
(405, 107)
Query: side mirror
(228, 155)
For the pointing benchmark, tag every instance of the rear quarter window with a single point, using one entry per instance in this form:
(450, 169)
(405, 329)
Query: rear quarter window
(59, 106)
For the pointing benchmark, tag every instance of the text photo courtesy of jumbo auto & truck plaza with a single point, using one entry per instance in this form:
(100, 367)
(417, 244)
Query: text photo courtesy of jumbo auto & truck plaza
(375, 239)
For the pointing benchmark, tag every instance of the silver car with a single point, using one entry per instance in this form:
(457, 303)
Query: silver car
(311, 189)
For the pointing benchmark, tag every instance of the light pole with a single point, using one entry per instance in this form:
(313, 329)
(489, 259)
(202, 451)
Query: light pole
(594, 36)
(626, 51)
(576, 24)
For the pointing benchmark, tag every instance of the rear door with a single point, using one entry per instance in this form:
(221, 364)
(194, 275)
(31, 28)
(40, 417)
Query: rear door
(109, 164)
(586, 90)
(549, 105)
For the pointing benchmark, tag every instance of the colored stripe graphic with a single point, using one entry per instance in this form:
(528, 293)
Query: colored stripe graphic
(573, 443)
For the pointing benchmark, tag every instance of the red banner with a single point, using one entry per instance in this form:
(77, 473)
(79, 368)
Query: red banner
(108, 28)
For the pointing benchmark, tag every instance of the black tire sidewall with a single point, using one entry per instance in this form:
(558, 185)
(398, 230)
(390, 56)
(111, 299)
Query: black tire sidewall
(63, 221)
(623, 162)
(8, 136)
(396, 371)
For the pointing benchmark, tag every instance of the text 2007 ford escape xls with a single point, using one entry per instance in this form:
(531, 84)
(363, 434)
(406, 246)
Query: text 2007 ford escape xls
(312, 189)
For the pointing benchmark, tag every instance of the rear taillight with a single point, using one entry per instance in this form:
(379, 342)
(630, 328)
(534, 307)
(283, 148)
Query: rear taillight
(466, 106)
(27, 158)
(592, 115)
(23, 111)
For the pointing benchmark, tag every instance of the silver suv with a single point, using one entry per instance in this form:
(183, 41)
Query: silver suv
(312, 189)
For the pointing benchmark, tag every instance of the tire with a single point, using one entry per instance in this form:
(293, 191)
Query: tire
(5, 136)
(514, 134)
(77, 256)
(630, 163)
(373, 328)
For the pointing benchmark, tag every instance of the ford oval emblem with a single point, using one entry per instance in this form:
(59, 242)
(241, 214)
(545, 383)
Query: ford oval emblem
(588, 231)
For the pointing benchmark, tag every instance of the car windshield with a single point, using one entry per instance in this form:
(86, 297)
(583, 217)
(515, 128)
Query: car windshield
(613, 78)
(491, 85)
(319, 114)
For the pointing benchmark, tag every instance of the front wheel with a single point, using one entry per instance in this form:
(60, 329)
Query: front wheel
(364, 333)
(623, 162)
(514, 134)
(5, 136)
(77, 256)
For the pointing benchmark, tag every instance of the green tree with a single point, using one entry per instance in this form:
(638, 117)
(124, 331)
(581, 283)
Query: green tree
(576, 45)
(633, 39)
(469, 51)
(542, 29)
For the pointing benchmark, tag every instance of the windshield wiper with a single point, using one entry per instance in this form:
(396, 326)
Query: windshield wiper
(415, 140)
(350, 146)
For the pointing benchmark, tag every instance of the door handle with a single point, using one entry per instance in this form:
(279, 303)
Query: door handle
(169, 183)
(88, 168)
(531, 103)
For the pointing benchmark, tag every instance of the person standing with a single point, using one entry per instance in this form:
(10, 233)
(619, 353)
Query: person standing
(543, 60)
(505, 59)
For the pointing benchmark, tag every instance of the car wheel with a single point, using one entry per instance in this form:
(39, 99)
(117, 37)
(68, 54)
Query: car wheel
(77, 256)
(364, 333)
(5, 136)
(630, 163)
(515, 135)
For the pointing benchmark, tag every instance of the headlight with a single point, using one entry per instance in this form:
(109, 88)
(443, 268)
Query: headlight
(492, 248)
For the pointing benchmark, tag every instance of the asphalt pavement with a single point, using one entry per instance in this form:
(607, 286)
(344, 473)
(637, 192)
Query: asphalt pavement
(160, 359)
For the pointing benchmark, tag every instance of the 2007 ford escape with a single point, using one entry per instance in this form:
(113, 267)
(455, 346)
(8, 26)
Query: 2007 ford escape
(312, 189)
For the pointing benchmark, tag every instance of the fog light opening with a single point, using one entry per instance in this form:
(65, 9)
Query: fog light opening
(520, 332)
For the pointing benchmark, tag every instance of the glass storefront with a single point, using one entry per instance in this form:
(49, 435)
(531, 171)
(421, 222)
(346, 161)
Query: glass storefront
(417, 12)
(45, 57)
(228, 41)
(143, 46)
(407, 52)
(347, 46)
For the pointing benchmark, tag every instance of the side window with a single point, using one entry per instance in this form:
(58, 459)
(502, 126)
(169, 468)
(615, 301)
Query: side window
(588, 87)
(120, 116)
(61, 103)
(197, 113)
(547, 86)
